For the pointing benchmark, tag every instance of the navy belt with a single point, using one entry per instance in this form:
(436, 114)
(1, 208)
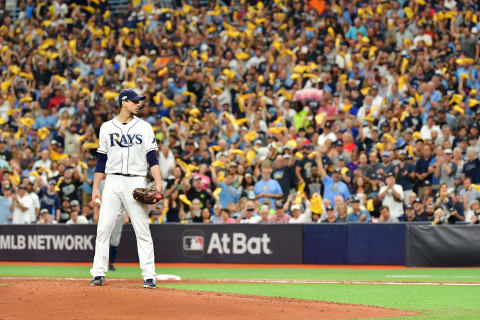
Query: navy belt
(126, 175)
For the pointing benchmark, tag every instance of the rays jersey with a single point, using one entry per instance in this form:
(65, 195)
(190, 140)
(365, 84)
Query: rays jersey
(126, 146)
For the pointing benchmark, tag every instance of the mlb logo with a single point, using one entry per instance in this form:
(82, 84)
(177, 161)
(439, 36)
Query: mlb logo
(193, 243)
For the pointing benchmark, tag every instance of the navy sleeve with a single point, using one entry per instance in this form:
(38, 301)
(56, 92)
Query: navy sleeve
(101, 162)
(152, 158)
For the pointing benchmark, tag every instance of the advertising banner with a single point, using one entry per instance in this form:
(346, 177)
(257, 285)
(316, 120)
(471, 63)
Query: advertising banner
(173, 243)
(47, 242)
(261, 243)
(443, 246)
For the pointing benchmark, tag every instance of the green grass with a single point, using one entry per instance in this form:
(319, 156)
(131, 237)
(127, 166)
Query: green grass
(433, 302)
(443, 275)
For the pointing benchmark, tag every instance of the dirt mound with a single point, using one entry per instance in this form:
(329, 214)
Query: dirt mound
(76, 299)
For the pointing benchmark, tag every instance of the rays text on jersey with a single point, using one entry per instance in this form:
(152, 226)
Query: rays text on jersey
(125, 141)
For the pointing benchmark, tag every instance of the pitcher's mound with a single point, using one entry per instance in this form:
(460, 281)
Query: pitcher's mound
(76, 299)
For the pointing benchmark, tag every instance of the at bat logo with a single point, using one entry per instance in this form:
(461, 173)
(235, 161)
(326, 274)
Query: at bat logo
(125, 141)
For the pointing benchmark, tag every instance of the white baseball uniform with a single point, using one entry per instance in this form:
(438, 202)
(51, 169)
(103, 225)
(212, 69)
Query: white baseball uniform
(126, 147)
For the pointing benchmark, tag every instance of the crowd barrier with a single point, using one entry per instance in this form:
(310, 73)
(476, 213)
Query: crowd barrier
(414, 245)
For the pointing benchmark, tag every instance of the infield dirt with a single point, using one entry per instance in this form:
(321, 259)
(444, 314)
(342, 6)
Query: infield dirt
(66, 299)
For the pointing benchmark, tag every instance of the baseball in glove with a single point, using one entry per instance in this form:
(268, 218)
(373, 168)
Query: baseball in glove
(147, 196)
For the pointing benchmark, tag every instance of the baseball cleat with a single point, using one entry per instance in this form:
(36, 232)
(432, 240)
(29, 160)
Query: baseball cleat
(97, 281)
(149, 283)
(111, 267)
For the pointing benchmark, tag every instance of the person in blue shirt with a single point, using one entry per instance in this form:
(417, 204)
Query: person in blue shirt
(45, 120)
(333, 185)
(267, 189)
(358, 214)
(229, 193)
(5, 201)
(50, 200)
(88, 182)
(357, 28)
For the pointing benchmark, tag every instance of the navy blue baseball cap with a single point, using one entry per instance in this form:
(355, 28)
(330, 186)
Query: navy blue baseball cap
(129, 94)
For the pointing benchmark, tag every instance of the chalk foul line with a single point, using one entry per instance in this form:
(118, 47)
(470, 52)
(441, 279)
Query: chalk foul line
(268, 281)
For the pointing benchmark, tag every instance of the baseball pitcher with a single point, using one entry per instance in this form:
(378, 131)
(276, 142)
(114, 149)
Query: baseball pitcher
(126, 145)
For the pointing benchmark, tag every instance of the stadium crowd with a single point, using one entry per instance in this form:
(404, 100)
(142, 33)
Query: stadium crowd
(264, 112)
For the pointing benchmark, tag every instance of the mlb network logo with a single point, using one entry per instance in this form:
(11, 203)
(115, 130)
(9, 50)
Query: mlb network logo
(193, 243)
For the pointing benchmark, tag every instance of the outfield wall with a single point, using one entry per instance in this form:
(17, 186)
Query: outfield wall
(415, 245)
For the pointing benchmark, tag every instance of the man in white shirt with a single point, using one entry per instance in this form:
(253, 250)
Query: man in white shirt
(166, 161)
(21, 205)
(327, 134)
(44, 161)
(75, 218)
(35, 210)
(426, 131)
(249, 214)
(298, 216)
(392, 196)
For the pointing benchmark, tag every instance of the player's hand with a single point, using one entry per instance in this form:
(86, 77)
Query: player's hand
(96, 198)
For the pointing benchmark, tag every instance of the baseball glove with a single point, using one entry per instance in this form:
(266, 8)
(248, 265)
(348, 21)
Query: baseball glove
(147, 196)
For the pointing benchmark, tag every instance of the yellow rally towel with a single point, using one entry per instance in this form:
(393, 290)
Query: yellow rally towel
(185, 200)
(316, 204)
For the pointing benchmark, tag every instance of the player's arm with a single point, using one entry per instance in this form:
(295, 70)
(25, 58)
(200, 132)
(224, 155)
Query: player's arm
(97, 178)
(152, 160)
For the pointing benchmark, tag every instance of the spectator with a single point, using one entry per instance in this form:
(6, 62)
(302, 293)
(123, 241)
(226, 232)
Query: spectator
(280, 216)
(76, 218)
(21, 207)
(391, 196)
(472, 211)
(195, 212)
(469, 193)
(298, 216)
(5, 201)
(330, 215)
(44, 161)
(409, 215)
(228, 193)
(249, 213)
(405, 174)
(88, 180)
(342, 213)
(430, 211)
(333, 185)
(65, 211)
(443, 199)
(5, 154)
(196, 192)
(35, 200)
(206, 216)
(216, 216)
(385, 216)
(446, 170)
(49, 200)
(357, 214)
(264, 214)
(248, 185)
(225, 214)
(175, 207)
(419, 207)
(45, 217)
(267, 189)
(423, 171)
(283, 173)
(471, 168)
(69, 187)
